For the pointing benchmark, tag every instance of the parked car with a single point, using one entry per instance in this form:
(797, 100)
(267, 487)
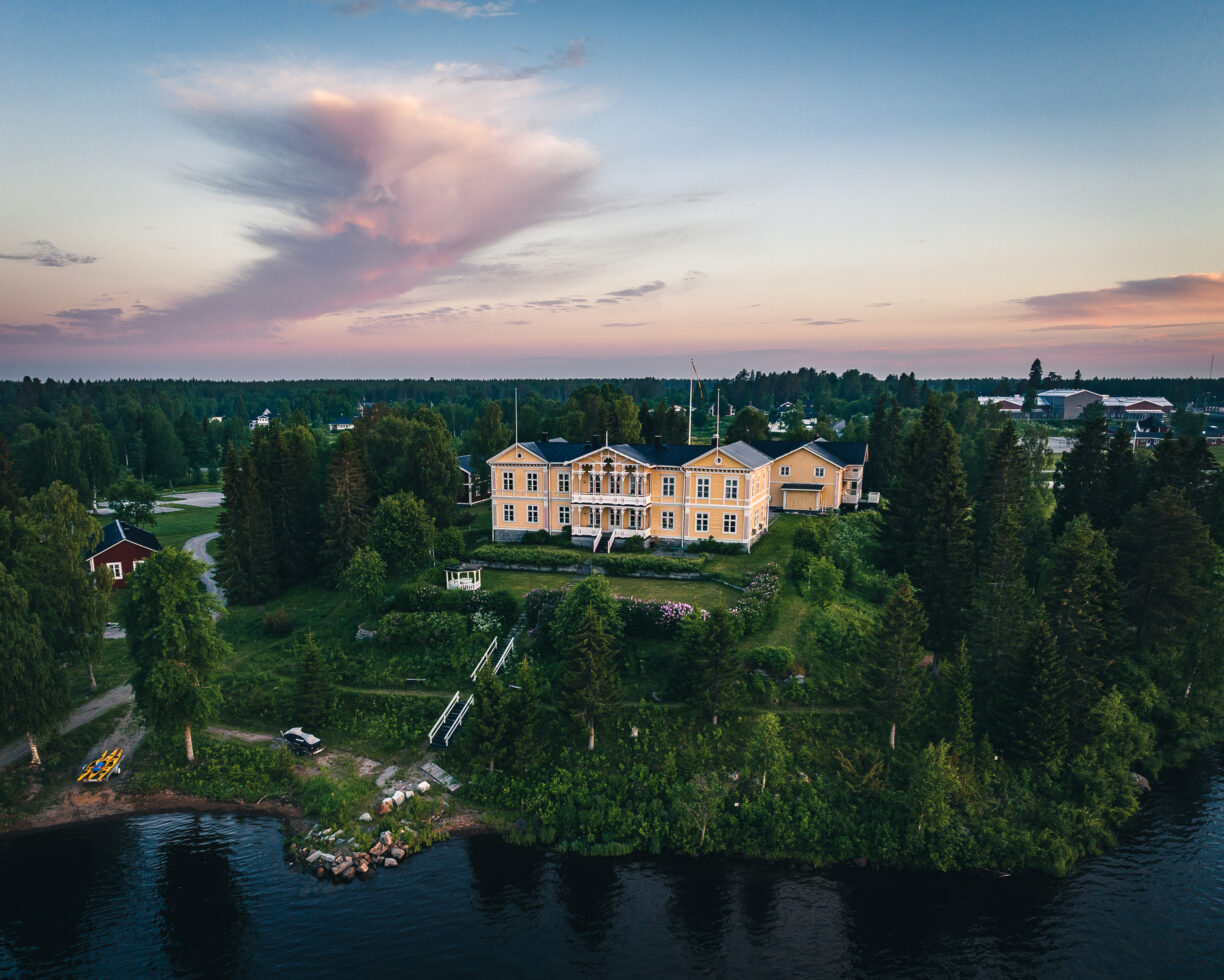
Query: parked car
(302, 743)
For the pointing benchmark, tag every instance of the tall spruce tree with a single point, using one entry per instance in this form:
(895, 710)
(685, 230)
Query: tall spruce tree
(1039, 702)
(928, 525)
(346, 511)
(1165, 563)
(1079, 477)
(314, 693)
(527, 719)
(711, 660)
(590, 678)
(896, 681)
(245, 563)
(489, 723)
(1122, 477)
(1083, 611)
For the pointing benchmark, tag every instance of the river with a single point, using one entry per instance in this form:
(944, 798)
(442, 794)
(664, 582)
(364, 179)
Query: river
(209, 895)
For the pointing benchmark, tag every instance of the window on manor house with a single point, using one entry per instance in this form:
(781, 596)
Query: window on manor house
(669, 486)
(563, 515)
(667, 520)
(728, 523)
(784, 471)
(703, 486)
(731, 488)
(702, 522)
(508, 513)
(533, 514)
(533, 481)
(563, 482)
(818, 471)
(507, 479)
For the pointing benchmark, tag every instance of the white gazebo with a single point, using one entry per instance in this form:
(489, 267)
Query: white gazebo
(463, 576)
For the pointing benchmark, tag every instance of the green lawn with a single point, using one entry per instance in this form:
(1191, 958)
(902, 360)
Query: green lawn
(174, 530)
(112, 668)
(481, 528)
(775, 545)
(704, 594)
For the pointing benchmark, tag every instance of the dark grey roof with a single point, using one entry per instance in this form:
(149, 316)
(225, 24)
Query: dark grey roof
(117, 531)
(465, 462)
(464, 566)
(803, 486)
(845, 453)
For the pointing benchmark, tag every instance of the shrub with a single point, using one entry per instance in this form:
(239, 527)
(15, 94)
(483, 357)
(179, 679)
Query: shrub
(449, 544)
(649, 617)
(760, 598)
(711, 547)
(622, 564)
(515, 554)
(635, 544)
(277, 622)
(773, 660)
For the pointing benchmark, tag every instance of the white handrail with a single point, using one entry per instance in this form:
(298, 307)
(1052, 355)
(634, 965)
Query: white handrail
(501, 661)
(458, 721)
(485, 659)
(445, 711)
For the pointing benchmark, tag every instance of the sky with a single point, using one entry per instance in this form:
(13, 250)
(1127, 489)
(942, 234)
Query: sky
(530, 188)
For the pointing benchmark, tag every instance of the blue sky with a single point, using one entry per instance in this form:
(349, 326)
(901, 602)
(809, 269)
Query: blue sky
(435, 187)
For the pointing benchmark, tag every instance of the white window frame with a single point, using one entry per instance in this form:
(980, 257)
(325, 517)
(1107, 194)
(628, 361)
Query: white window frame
(783, 471)
(669, 486)
(818, 472)
(729, 523)
(701, 523)
(116, 570)
(731, 488)
(533, 481)
(667, 520)
(533, 514)
(563, 515)
(508, 480)
(703, 488)
(507, 513)
(563, 482)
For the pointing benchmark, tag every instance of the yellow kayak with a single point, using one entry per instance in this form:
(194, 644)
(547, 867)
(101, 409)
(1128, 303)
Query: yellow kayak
(102, 768)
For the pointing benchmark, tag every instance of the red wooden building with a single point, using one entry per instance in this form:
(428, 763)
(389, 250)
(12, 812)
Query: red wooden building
(121, 549)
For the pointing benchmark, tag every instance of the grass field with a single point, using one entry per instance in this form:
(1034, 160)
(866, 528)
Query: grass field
(174, 530)
(704, 594)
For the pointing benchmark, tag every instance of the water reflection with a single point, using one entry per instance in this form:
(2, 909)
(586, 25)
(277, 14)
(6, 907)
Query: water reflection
(502, 876)
(192, 895)
(589, 889)
(204, 919)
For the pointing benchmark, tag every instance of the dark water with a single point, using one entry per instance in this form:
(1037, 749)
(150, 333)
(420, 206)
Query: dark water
(202, 895)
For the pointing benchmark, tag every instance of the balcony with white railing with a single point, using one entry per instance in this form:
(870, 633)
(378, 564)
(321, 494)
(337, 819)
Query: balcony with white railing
(612, 499)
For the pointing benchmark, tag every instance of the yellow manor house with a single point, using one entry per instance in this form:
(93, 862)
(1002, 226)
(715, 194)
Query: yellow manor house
(667, 494)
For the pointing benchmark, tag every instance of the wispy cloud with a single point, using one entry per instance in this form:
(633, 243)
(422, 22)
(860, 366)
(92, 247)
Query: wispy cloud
(382, 192)
(1171, 298)
(43, 252)
(456, 8)
(824, 323)
(622, 326)
(634, 292)
(573, 55)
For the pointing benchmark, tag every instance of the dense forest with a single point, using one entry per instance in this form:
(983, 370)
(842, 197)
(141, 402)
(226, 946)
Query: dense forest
(88, 433)
(980, 673)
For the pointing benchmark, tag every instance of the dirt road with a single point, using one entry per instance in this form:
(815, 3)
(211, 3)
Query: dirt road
(85, 713)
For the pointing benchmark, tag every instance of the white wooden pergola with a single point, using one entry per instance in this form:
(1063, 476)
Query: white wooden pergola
(463, 576)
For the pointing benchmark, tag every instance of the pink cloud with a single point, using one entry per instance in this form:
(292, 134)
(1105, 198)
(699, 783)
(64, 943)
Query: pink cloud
(383, 191)
(1195, 296)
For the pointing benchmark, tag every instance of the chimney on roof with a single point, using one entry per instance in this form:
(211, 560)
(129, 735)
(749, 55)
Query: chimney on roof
(715, 442)
(544, 436)
(594, 440)
(658, 443)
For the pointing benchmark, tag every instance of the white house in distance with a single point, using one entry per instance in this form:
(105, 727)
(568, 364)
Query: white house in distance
(1069, 403)
(340, 425)
(264, 418)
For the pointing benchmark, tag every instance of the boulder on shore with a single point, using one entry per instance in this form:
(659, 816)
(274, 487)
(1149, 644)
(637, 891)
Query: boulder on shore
(1142, 782)
(398, 797)
(385, 838)
(422, 786)
(390, 863)
(396, 854)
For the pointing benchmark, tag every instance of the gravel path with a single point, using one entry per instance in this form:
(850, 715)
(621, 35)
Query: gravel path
(197, 548)
(85, 713)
